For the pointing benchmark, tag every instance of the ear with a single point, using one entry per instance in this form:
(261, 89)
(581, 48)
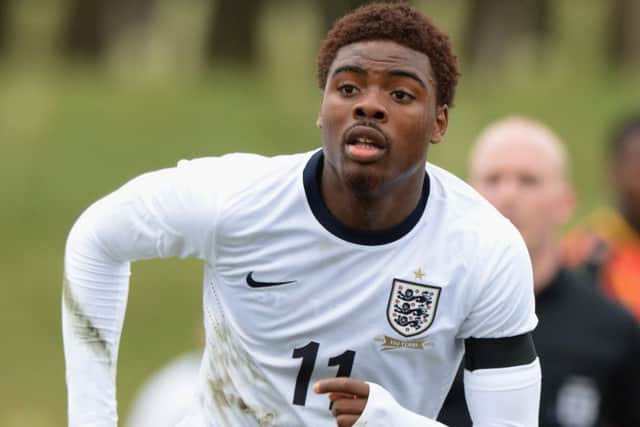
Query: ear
(440, 124)
(567, 205)
(319, 118)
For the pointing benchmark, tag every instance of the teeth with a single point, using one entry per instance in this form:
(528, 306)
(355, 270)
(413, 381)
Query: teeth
(363, 140)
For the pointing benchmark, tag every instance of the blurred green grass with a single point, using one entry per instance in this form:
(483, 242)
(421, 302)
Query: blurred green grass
(70, 134)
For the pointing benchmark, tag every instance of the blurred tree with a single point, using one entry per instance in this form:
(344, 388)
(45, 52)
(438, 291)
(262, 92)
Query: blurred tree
(624, 32)
(494, 25)
(92, 25)
(333, 9)
(4, 24)
(85, 33)
(232, 35)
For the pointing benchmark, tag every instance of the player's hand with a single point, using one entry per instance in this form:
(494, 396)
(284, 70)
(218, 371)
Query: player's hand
(348, 398)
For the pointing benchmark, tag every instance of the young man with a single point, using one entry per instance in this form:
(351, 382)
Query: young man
(589, 346)
(350, 261)
(608, 244)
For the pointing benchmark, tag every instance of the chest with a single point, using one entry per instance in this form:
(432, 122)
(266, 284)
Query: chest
(287, 292)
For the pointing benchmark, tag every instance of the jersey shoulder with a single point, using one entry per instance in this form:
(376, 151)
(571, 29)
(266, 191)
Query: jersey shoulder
(237, 172)
(465, 210)
(585, 294)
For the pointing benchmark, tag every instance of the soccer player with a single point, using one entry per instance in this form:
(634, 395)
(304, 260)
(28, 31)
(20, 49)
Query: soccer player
(607, 245)
(589, 346)
(355, 272)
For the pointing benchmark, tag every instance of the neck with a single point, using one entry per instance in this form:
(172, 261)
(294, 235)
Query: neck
(376, 210)
(546, 263)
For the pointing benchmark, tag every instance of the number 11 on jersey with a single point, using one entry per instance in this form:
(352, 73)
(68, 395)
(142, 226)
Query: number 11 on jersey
(309, 354)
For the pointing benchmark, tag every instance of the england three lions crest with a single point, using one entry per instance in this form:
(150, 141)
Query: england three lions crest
(412, 307)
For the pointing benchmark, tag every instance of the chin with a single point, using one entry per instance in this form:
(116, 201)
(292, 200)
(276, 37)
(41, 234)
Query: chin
(365, 185)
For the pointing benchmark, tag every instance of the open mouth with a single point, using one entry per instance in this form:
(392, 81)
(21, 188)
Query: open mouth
(365, 144)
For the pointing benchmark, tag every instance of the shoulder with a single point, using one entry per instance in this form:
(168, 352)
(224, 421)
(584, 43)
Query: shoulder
(585, 294)
(244, 167)
(466, 212)
(235, 173)
(498, 274)
(592, 239)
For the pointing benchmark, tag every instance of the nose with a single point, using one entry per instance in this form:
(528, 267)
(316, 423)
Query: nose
(370, 107)
(506, 196)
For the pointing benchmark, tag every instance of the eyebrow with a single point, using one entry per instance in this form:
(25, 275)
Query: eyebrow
(396, 73)
(349, 69)
(410, 74)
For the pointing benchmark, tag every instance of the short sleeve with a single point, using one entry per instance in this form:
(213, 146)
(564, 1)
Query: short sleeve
(504, 303)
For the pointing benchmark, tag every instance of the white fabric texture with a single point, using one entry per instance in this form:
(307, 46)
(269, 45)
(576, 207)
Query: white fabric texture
(382, 410)
(503, 397)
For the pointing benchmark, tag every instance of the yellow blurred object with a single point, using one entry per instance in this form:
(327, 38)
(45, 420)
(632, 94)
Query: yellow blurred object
(607, 246)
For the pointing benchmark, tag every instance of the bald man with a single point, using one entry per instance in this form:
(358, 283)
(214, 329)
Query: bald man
(589, 346)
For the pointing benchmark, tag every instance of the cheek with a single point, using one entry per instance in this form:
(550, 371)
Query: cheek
(416, 124)
(490, 194)
(627, 178)
(634, 184)
(334, 109)
(545, 210)
(413, 133)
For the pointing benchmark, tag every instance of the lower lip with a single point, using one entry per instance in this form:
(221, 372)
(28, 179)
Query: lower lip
(364, 153)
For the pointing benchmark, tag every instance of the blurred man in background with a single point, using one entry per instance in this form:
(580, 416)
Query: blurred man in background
(589, 347)
(608, 245)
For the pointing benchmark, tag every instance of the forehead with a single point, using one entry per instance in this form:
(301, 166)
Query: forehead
(630, 150)
(516, 150)
(382, 54)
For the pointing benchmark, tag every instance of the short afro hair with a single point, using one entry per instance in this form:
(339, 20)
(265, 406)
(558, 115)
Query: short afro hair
(399, 23)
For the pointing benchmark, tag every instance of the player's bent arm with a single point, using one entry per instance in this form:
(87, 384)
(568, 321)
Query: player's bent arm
(502, 385)
(156, 215)
(382, 410)
(501, 397)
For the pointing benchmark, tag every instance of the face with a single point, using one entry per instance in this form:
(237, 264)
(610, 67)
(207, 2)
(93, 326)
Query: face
(378, 115)
(626, 177)
(524, 179)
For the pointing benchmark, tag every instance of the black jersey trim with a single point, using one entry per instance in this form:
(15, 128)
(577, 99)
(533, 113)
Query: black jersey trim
(491, 353)
(311, 178)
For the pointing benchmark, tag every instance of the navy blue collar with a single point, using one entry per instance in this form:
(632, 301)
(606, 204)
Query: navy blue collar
(311, 178)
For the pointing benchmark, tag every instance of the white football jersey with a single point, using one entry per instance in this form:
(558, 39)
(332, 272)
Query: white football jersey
(290, 295)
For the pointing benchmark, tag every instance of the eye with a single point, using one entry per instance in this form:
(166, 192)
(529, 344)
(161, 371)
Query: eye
(347, 89)
(402, 96)
(529, 180)
(493, 179)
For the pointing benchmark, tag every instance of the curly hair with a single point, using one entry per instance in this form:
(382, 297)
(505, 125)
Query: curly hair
(399, 23)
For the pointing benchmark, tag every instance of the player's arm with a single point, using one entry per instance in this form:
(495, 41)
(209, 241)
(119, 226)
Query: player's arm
(502, 381)
(502, 378)
(356, 403)
(502, 375)
(155, 215)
